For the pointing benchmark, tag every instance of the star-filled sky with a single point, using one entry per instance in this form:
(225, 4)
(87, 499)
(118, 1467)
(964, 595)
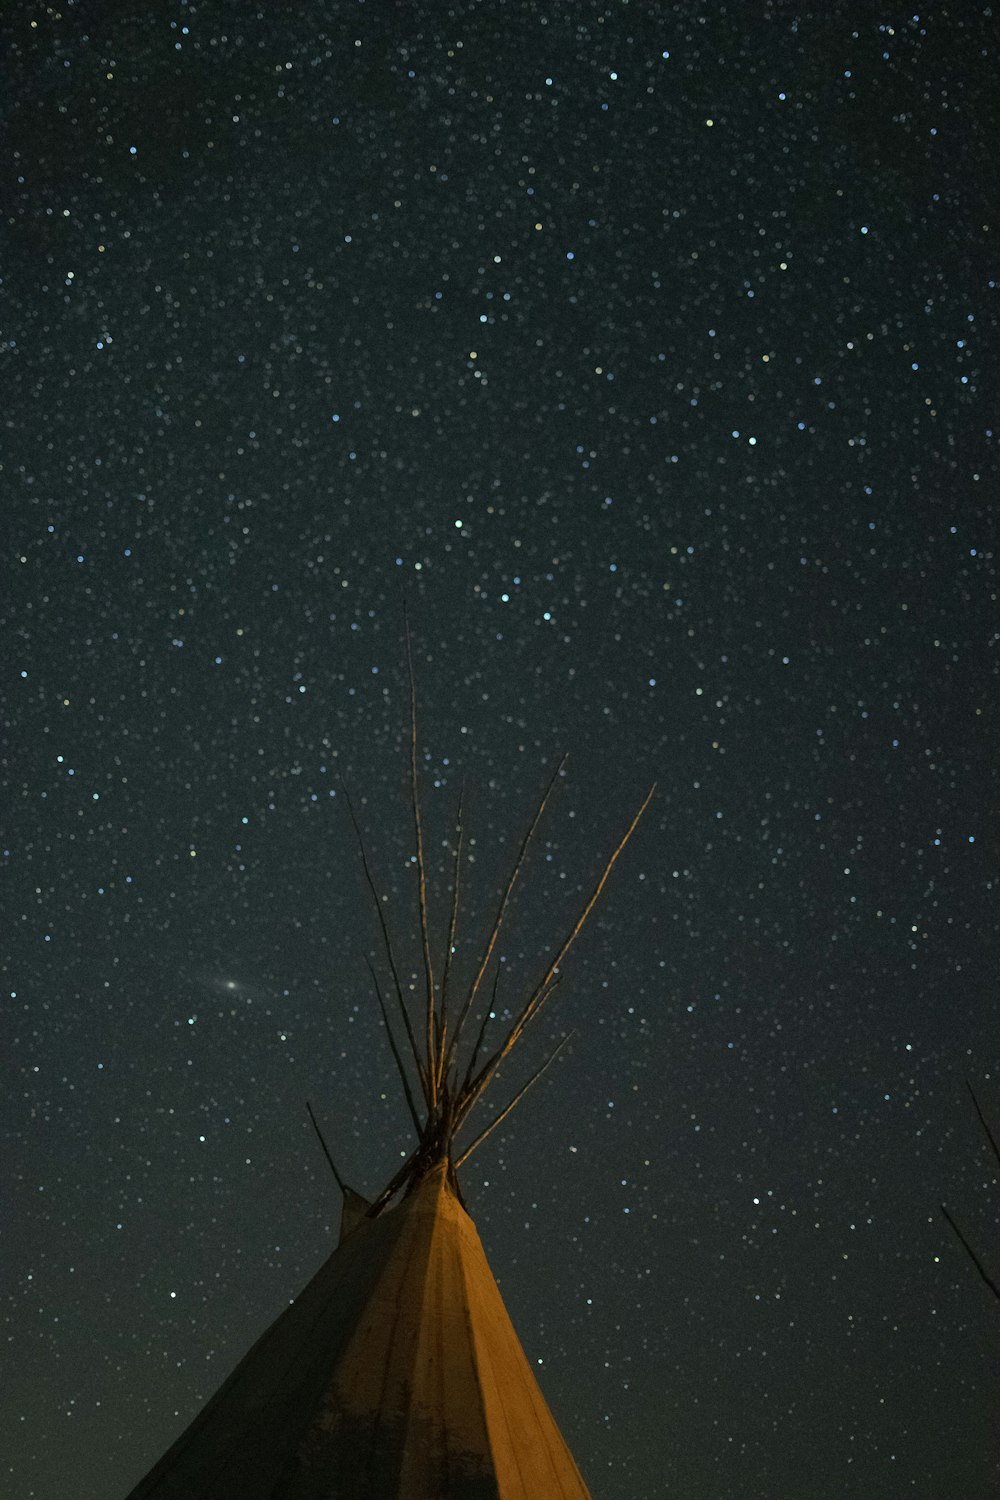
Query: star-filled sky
(650, 352)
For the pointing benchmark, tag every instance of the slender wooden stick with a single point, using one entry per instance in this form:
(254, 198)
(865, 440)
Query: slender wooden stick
(388, 947)
(393, 1186)
(543, 988)
(972, 1255)
(418, 1127)
(502, 908)
(982, 1120)
(445, 1051)
(513, 1103)
(326, 1150)
(488, 1014)
(431, 1027)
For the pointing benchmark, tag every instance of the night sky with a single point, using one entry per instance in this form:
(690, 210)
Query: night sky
(650, 353)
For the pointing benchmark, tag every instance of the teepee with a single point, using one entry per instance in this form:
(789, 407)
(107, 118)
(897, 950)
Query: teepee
(397, 1374)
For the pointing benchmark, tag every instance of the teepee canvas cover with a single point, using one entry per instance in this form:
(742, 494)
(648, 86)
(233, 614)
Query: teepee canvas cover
(397, 1374)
